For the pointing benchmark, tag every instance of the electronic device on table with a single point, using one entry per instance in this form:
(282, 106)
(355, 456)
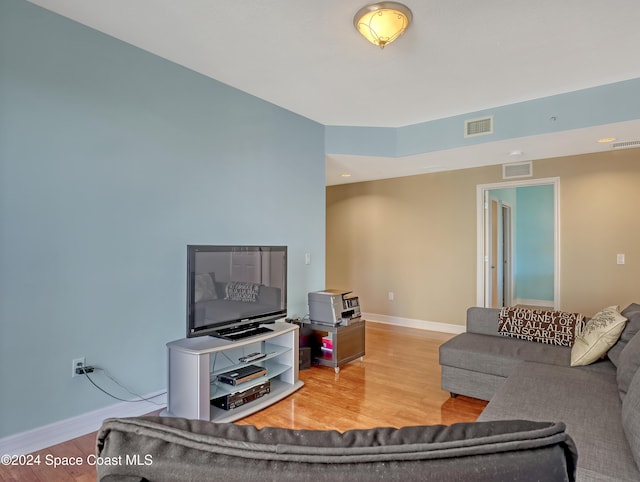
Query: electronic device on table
(235, 400)
(242, 374)
(252, 357)
(333, 307)
(234, 289)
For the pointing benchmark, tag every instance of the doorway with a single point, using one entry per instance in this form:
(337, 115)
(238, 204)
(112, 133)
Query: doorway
(518, 243)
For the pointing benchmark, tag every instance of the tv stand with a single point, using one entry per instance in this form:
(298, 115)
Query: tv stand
(195, 363)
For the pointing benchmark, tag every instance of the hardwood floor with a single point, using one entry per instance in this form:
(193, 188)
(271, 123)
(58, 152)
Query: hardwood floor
(397, 384)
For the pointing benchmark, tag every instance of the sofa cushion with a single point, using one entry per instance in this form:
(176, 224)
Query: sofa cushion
(632, 313)
(544, 326)
(628, 365)
(599, 334)
(631, 417)
(586, 400)
(181, 449)
(497, 355)
(483, 321)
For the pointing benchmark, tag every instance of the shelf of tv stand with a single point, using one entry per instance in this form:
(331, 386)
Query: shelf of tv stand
(219, 389)
(194, 364)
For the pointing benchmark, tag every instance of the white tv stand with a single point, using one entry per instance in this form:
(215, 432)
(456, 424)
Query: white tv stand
(194, 364)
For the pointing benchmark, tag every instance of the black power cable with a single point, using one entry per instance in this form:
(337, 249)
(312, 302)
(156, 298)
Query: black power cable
(85, 371)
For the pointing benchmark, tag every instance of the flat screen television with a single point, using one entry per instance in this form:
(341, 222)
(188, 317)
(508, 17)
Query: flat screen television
(233, 288)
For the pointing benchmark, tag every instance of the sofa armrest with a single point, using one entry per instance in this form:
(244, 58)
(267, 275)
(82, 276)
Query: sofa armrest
(483, 321)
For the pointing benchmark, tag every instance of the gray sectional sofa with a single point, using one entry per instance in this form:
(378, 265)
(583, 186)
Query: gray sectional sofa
(599, 403)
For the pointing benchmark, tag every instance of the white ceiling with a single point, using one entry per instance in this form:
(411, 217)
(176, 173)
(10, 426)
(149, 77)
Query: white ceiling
(458, 56)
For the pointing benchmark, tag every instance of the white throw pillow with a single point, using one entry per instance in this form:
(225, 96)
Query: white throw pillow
(599, 334)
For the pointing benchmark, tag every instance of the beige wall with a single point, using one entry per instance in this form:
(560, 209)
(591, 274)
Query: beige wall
(416, 236)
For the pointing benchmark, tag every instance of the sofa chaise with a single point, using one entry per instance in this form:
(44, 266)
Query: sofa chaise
(521, 379)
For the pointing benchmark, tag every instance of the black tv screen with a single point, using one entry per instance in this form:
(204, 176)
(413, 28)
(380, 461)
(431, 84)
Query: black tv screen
(230, 287)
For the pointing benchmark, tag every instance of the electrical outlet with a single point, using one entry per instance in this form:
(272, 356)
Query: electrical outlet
(77, 363)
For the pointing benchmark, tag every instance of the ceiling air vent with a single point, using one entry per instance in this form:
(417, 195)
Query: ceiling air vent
(517, 169)
(625, 145)
(478, 127)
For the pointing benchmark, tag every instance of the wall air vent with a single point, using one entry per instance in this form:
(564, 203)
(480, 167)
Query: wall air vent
(478, 127)
(625, 145)
(517, 169)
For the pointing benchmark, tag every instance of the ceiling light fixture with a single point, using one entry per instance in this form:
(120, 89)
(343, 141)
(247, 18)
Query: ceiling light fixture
(383, 22)
(604, 140)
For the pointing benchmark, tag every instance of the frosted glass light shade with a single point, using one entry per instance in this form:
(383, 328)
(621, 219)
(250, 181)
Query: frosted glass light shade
(381, 23)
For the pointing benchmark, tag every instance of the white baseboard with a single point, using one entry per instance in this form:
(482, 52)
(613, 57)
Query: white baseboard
(413, 323)
(70, 428)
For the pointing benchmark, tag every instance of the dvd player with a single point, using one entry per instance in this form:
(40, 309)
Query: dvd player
(241, 375)
(234, 400)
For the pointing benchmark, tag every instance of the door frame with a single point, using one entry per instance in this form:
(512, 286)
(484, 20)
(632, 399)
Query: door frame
(482, 276)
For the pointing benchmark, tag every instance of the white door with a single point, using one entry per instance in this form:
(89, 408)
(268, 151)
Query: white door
(507, 253)
(498, 253)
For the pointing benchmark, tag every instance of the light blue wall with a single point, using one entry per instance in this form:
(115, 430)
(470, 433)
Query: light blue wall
(533, 240)
(507, 195)
(535, 243)
(112, 160)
